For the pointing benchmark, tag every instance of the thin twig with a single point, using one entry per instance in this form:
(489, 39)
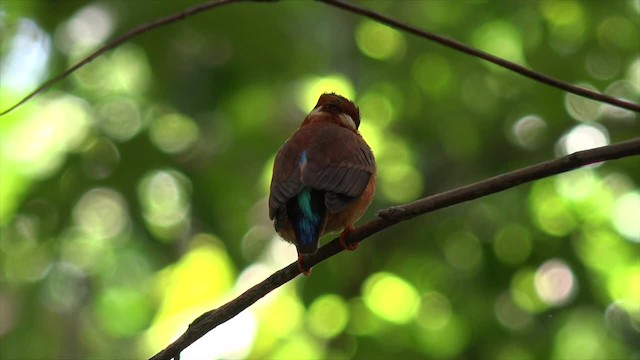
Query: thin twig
(352, 8)
(483, 55)
(389, 217)
(132, 33)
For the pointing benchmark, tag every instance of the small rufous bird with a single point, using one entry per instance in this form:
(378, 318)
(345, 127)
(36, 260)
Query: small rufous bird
(323, 177)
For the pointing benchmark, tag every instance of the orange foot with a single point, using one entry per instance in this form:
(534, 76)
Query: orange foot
(301, 267)
(344, 234)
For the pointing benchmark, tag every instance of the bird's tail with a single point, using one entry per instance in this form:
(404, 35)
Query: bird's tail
(308, 213)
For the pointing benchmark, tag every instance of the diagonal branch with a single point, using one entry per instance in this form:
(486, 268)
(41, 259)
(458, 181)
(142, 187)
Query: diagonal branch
(389, 217)
(348, 7)
(483, 55)
(118, 41)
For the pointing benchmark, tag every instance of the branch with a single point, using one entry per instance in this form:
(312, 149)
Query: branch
(389, 217)
(352, 8)
(132, 33)
(485, 56)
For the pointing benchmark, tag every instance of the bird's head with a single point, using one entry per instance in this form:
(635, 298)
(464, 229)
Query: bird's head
(335, 108)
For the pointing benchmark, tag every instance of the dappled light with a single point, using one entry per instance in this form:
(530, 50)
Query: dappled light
(88, 27)
(24, 65)
(134, 193)
(583, 137)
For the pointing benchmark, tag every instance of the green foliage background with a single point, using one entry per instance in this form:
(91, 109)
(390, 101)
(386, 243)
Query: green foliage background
(133, 194)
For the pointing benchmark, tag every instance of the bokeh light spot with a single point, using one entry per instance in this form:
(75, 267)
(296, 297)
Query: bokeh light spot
(130, 72)
(509, 314)
(173, 133)
(581, 108)
(624, 285)
(577, 185)
(625, 90)
(361, 319)
(26, 62)
(64, 289)
(298, 346)
(399, 182)
(529, 131)
(512, 244)
(282, 326)
(582, 337)
(626, 216)
(377, 109)
(433, 73)
(391, 297)
(600, 250)
(619, 33)
(100, 158)
(446, 342)
(315, 86)
(499, 38)
(583, 137)
(39, 143)
(88, 27)
(524, 292)
(101, 213)
(379, 42)
(551, 212)
(435, 311)
(328, 316)
(230, 340)
(566, 22)
(123, 312)
(164, 196)
(189, 287)
(619, 321)
(125, 71)
(555, 282)
(119, 118)
(603, 65)
(463, 251)
(633, 75)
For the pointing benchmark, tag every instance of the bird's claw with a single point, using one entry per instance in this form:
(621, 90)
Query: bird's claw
(343, 235)
(304, 272)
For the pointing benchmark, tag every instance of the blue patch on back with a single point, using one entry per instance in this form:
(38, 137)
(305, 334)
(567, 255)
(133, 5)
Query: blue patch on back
(303, 158)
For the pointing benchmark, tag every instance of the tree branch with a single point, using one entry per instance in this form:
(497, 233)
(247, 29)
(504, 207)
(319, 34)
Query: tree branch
(354, 9)
(483, 55)
(389, 217)
(132, 33)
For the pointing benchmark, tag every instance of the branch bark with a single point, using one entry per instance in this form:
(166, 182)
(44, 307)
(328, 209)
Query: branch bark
(389, 217)
(453, 44)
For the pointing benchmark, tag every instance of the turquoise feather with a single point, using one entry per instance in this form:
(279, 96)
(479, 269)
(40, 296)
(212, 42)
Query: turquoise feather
(309, 221)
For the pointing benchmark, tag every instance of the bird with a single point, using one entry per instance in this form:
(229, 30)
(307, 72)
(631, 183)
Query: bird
(324, 177)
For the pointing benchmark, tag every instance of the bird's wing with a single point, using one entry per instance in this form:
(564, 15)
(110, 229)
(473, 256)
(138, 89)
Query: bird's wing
(286, 181)
(321, 156)
(339, 162)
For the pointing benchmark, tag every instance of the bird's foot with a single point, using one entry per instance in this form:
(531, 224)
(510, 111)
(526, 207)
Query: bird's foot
(301, 266)
(343, 235)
